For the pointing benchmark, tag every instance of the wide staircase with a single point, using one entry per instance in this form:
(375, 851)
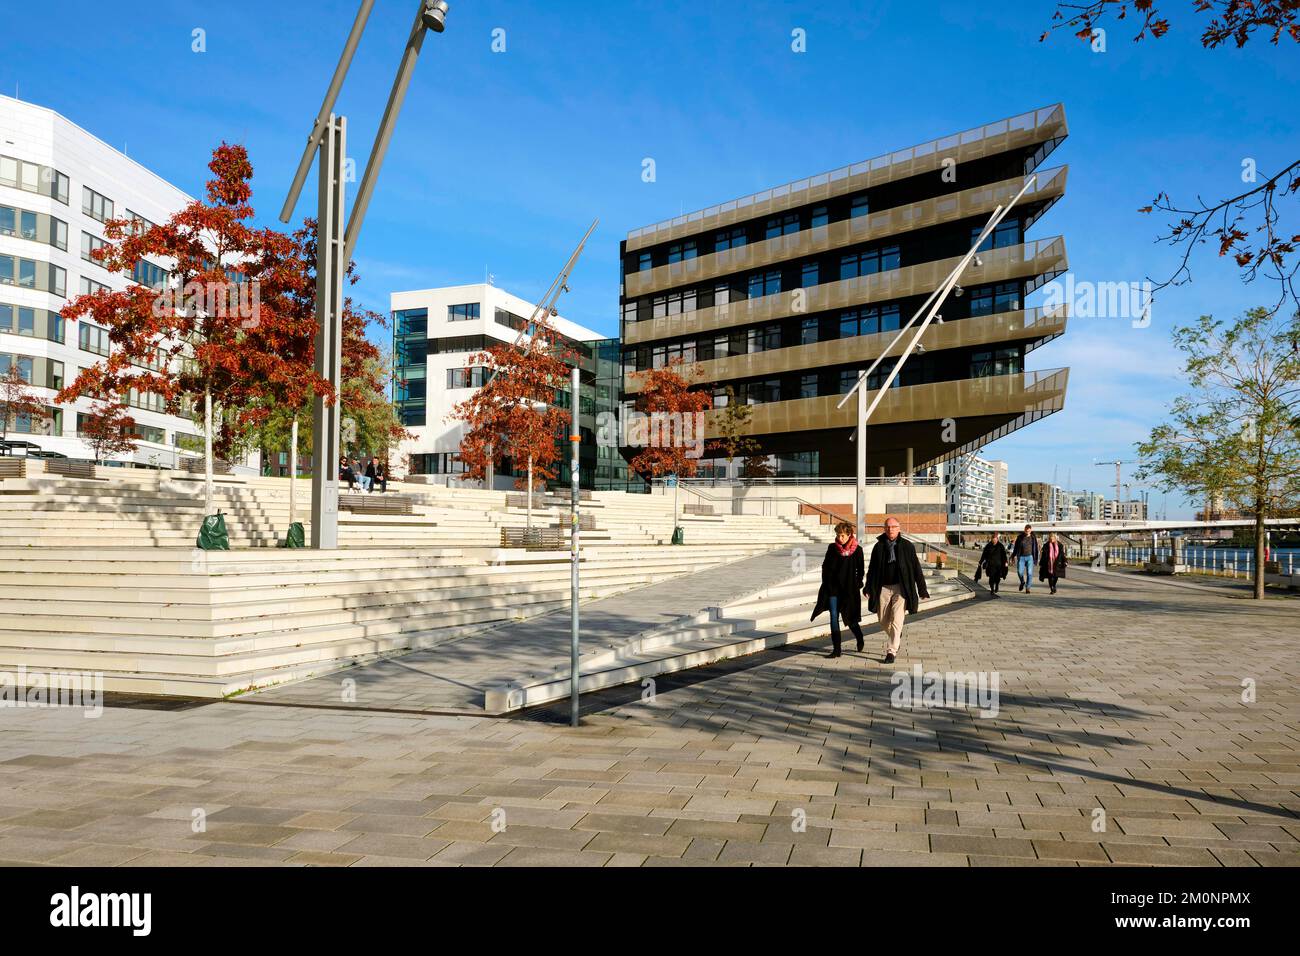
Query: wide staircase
(101, 575)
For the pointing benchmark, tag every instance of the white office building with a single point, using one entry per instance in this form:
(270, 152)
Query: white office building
(435, 334)
(59, 184)
(976, 490)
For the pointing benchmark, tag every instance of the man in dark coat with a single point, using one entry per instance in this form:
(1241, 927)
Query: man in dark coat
(1052, 565)
(993, 562)
(1025, 553)
(895, 584)
(841, 590)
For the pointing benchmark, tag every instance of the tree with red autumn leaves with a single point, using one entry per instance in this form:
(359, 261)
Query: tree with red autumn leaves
(672, 423)
(16, 398)
(513, 415)
(285, 397)
(225, 331)
(109, 429)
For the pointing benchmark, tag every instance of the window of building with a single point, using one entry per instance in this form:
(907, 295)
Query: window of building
(89, 244)
(24, 364)
(411, 322)
(759, 393)
(764, 283)
(781, 225)
(820, 217)
(1006, 233)
(679, 251)
(808, 275)
(95, 205)
(91, 338)
(869, 320)
(90, 286)
(859, 207)
(808, 386)
(808, 331)
(729, 239)
(764, 339)
(880, 259)
(463, 312)
(996, 362)
(139, 224)
(146, 273)
(474, 377)
(34, 178)
(991, 299)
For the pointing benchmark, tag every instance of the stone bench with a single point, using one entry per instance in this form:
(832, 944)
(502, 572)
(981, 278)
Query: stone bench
(377, 504)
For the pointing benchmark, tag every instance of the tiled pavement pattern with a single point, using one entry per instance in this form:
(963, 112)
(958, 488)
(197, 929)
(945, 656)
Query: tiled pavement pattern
(1115, 694)
(453, 677)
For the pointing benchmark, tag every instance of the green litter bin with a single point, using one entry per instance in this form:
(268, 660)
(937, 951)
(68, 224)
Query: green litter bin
(213, 535)
(679, 535)
(295, 538)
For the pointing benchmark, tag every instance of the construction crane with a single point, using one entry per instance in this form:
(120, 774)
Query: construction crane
(1119, 481)
(545, 308)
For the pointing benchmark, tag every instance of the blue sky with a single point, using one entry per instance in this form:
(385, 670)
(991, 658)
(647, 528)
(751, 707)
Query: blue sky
(500, 160)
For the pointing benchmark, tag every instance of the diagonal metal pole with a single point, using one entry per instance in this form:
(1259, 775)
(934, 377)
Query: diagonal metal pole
(930, 307)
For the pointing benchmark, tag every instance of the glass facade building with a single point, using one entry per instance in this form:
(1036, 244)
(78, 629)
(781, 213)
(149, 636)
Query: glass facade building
(783, 297)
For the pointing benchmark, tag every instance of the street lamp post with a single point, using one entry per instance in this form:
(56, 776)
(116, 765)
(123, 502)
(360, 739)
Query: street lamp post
(336, 239)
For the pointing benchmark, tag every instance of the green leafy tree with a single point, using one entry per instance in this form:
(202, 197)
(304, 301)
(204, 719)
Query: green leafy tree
(1236, 435)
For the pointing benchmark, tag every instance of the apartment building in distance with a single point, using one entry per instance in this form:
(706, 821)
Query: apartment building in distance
(976, 489)
(436, 333)
(59, 184)
(784, 296)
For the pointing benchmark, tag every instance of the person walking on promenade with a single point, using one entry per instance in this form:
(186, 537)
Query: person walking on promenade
(1025, 553)
(993, 562)
(1053, 563)
(842, 576)
(895, 584)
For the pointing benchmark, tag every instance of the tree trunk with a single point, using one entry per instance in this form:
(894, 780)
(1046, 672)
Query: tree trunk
(293, 469)
(207, 451)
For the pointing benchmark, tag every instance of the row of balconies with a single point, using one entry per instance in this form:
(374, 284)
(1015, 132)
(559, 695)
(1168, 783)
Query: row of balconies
(976, 201)
(1042, 257)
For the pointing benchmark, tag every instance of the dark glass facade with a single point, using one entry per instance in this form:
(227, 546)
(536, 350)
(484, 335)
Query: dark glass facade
(786, 296)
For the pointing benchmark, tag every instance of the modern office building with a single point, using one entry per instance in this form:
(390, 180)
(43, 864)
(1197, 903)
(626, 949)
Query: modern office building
(784, 296)
(436, 333)
(59, 184)
(976, 489)
(1132, 510)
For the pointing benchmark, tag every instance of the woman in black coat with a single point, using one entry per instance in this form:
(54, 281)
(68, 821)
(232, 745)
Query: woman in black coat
(993, 562)
(841, 592)
(1051, 562)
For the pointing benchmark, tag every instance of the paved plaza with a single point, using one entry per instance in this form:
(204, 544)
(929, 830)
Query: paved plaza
(1121, 737)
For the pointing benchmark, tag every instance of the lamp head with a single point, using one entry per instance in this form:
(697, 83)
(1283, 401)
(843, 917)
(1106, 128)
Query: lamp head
(434, 16)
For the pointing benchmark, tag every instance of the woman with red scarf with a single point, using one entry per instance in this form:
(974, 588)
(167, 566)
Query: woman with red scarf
(1051, 562)
(843, 570)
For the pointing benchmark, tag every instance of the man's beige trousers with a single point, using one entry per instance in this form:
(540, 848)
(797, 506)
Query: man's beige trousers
(893, 608)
